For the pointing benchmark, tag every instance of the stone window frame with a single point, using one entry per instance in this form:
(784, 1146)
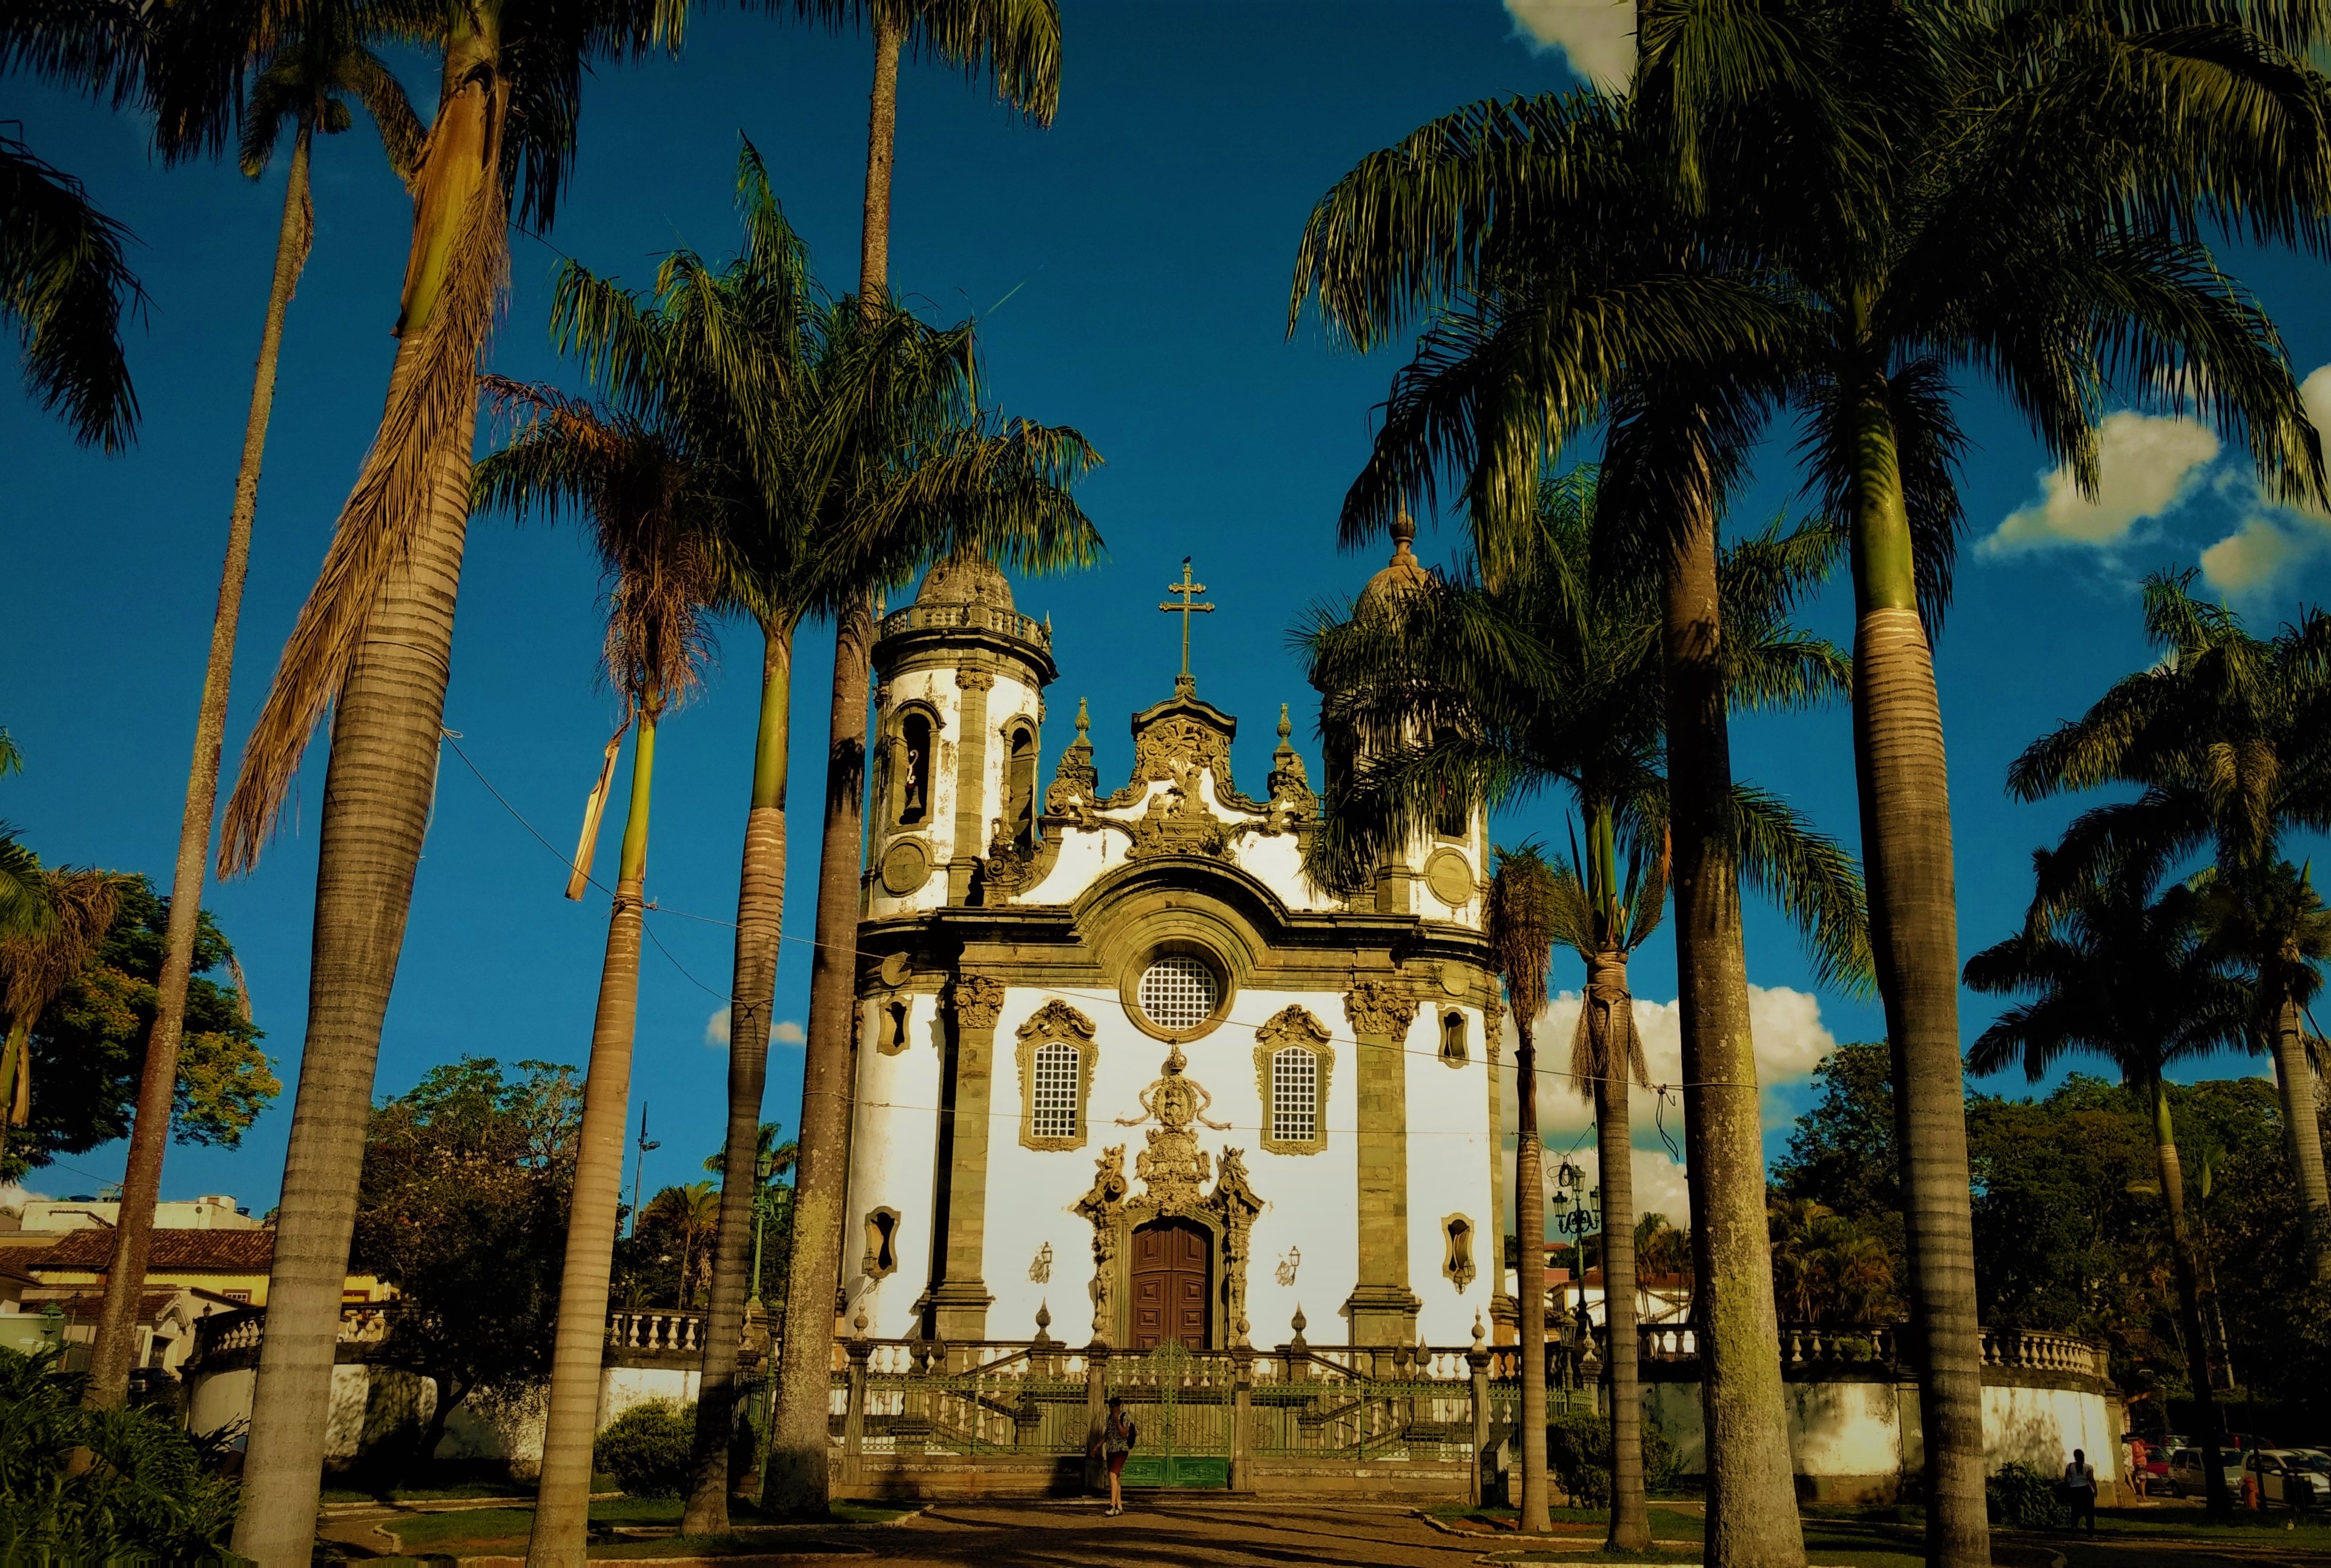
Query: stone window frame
(872, 1265)
(1293, 1028)
(1459, 1266)
(1056, 1023)
(882, 1006)
(1463, 1055)
(1225, 987)
(1010, 729)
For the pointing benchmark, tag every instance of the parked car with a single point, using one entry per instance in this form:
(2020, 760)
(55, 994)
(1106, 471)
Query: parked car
(2186, 1475)
(2293, 1477)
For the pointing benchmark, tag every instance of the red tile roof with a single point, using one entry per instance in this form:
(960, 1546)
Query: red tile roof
(208, 1251)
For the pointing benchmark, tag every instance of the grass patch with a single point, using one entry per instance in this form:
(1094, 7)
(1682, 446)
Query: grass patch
(481, 1528)
(1667, 1524)
(484, 1526)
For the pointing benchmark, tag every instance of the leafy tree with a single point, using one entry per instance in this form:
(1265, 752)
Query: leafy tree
(1841, 1151)
(463, 1209)
(1828, 1269)
(310, 62)
(87, 1053)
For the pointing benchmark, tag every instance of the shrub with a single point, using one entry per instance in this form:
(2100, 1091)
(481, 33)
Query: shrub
(2021, 1498)
(149, 1494)
(1578, 1452)
(648, 1448)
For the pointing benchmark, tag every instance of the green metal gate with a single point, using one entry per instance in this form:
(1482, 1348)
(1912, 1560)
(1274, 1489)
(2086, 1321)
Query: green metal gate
(1183, 1404)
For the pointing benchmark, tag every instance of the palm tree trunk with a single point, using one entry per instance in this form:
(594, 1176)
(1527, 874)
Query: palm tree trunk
(141, 1179)
(13, 1064)
(1631, 1522)
(1752, 1506)
(1529, 1269)
(563, 1505)
(796, 1479)
(387, 721)
(760, 917)
(2305, 1130)
(1906, 836)
(377, 791)
(2219, 1503)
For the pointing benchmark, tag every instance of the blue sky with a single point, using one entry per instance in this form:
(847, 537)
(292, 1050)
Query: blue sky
(1129, 267)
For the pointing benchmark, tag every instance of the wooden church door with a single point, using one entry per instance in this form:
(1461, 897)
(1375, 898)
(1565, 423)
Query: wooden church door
(1173, 1284)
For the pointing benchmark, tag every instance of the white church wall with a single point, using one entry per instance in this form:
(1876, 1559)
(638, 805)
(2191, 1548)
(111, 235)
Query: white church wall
(893, 1161)
(1276, 861)
(1449, 1152)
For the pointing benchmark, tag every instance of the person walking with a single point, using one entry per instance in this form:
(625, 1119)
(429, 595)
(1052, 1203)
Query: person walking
(1117, 1435)
(2140, 1453)
(2080, 1491)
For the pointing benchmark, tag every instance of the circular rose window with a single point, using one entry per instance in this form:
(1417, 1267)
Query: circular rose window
(1178, 992)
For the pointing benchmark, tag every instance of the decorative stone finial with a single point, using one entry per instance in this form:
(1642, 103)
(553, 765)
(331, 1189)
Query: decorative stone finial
(1299, 1324)
(859, 1321)
(1044, 1323)
(1084, 720)
(1480, 1340)
(1403, 531)
(1286, 724)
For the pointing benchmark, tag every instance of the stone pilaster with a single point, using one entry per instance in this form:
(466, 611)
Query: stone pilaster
(960, 1301)
(1382, 1307)
(970, 784)
(1493, 1041)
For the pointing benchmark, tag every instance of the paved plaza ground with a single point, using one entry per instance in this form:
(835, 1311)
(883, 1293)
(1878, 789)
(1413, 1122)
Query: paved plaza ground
(1185, 1531)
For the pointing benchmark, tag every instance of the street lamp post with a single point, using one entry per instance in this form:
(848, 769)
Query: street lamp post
(1576, 1214)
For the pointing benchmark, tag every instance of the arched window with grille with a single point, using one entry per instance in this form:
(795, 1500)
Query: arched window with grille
(1293, 1059)
(1054, 1113)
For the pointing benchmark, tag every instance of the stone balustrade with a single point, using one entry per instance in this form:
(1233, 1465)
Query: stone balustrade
(952, 617)
(656, 1331)
(226, 1339)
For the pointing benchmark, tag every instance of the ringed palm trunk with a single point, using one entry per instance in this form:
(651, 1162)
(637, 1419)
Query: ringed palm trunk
(386, 723)
(563, 1505)
(1529, 1268)
(1752, 1507)
(141, 1179)
(1906, 835)
(760, 919)
(797, 1479)
(2218, 1501)
(1606, 986)
(2304, 1131)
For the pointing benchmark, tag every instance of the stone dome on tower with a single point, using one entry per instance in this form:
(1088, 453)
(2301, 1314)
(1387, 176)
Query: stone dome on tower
(1402, 578)
(966, 577)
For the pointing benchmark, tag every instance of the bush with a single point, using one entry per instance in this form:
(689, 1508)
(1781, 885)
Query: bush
(1578, 1452)
(147, 1496)
(2021, 1498)
(648, 1448)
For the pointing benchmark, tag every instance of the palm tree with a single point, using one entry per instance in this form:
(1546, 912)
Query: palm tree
(1891, 166)
(916, 471)
(73, 912)
(2119, 973)
(1562, 279)
(2224, 736)
(1553, 676)
(1016, 45)
(1520, 930)
(64, 282)
(305, 77)
(374, 643)
(637, 484)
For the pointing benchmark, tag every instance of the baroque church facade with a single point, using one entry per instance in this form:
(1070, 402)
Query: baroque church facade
(1117, 1063)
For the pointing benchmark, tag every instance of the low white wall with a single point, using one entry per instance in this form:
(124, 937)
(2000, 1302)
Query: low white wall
(1852, 1440)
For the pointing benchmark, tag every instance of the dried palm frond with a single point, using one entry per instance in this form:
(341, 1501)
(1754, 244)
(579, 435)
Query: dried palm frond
(418, 463)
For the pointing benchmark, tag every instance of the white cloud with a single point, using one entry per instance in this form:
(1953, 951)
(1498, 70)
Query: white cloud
(1596, 36)
(716, 1031)
(1791, 1041)
(2250, 559)
(2314, 392)
(2146, 463)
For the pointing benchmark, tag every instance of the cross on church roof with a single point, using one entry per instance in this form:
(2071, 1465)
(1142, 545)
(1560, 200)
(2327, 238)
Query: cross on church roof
(1189, 591)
